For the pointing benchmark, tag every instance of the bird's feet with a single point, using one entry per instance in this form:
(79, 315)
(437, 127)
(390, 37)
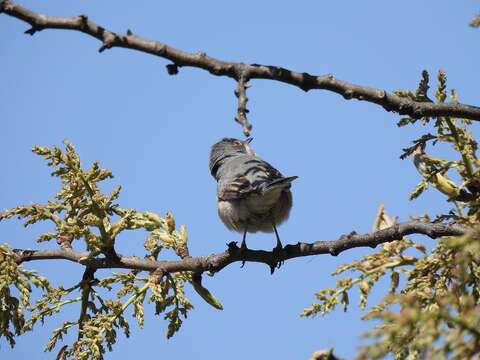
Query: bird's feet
(277, 257)
(243, 249)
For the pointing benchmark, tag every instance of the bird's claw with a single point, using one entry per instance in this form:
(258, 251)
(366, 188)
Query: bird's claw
(243, 248)
(277, 258)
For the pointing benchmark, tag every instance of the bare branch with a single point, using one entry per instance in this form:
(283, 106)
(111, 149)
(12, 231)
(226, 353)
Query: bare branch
(217, 262)
(179, 58)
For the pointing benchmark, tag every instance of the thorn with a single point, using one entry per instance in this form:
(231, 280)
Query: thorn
(333, 251)
(348, 94)
(172, 69)
(106, 45)
(129, 32)
(83, 20)
(32, 30)
(109, 39)
(232, 245)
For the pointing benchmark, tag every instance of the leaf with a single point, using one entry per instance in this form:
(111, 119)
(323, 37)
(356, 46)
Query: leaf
(204, 293)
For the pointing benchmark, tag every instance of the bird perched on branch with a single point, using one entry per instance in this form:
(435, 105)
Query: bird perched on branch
(251, 194)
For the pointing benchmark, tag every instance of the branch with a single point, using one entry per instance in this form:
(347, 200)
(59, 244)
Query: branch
(242, 111)
(86, 285)
(303, 80)
(217, 262)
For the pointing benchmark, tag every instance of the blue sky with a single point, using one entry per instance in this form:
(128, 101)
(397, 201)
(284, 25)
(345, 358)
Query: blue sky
(154, 131)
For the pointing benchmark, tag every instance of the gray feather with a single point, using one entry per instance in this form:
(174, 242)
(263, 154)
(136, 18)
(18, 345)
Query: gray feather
(252, 195)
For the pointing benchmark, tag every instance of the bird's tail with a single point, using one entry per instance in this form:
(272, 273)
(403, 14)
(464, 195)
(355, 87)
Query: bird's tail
(283, 183)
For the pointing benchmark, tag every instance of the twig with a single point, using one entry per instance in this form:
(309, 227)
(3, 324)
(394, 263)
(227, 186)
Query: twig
(108, 242)
(242, 111)
(461, 148)
(86, 285)
(132, 299)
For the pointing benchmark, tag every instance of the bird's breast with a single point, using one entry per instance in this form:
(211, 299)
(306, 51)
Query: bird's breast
(255, 213)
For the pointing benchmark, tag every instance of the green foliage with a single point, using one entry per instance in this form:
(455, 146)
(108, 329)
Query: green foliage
(15, 290)
(80, 212)
(439, 314)
(432, 310)
(475, 22)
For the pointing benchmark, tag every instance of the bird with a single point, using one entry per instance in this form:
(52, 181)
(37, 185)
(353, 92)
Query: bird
(251, 194)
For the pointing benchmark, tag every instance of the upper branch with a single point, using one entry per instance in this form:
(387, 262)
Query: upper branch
(217, 262)
(303, 80)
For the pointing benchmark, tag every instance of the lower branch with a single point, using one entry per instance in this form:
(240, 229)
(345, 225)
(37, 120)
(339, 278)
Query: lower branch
(217, 262)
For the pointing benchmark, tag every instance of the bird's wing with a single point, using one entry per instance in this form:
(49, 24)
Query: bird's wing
(261, 174)
(252, 176)
(238, 187)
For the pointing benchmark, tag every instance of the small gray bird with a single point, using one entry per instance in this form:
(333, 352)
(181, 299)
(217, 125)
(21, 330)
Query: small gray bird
(251, 194)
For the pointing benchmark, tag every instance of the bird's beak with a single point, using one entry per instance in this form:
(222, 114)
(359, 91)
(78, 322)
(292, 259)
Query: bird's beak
(248, 148)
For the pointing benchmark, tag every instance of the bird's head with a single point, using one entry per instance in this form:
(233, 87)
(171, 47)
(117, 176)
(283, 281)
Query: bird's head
(226, 148)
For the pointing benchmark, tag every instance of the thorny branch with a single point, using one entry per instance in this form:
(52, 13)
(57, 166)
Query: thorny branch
(217, 262)
(238, 71)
